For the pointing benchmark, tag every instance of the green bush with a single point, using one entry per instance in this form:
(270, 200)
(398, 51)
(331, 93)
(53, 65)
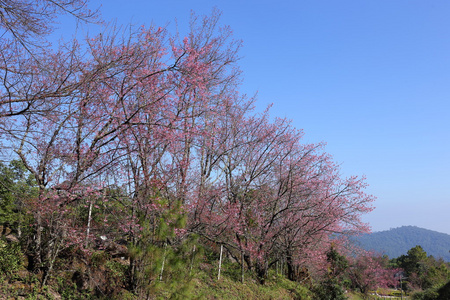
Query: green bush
(69, 291)
(99, 258)
(330, 290)
(10, 257)
(430, 294)
(436, 293)
(119, 271)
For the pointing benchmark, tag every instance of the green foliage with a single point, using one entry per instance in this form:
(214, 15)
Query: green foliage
(276, 287)
(435, 293)
(430, 294)
(118, 270)
(10, 257)
(414, 261)
(17, 186)
(165, 269)
(161, 262)
(423, 272)
(69, 291)
(338, 263)
(201, 283)
(231, 270)
(332, 288)
(99, 258)
(436, 274)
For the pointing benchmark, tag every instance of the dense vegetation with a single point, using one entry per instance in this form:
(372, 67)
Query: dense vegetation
(178, 273)
(398, 241)
(133, 168)
(424, 276)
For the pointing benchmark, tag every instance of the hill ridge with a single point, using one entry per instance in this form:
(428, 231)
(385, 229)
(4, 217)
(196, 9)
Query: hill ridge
(397, 241)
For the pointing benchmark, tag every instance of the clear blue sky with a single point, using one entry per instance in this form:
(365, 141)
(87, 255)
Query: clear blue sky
(370, 78)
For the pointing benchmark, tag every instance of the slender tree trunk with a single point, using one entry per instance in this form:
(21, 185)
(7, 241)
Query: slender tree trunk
(192, 262)
(88, 224)
(19, 229)
(55, 251)
(133, 259)
(220, 261)
(242, 266)
(37, 261)
(164, 260)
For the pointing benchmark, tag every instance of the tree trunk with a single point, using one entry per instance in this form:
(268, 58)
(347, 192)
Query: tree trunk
(242, 266)
(261, 272)
(37, 259)
(291, 268)
(88, 224)
(163, 262)
(220, 261)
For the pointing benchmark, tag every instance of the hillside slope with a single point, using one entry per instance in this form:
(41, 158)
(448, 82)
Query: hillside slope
(398, 241)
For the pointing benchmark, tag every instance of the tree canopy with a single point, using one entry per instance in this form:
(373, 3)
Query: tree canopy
(144, 138)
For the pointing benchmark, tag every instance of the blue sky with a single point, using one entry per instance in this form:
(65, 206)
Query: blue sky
(369, 78)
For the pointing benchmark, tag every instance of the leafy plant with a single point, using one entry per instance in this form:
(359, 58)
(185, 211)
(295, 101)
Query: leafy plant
(10, 257)
(332, 288)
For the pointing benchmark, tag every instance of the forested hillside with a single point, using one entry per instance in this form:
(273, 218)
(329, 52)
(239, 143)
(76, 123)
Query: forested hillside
(398, 241)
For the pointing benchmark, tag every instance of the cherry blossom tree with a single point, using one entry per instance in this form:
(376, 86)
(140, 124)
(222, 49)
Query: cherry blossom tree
(368, 271)
(148, 131)
(25, 26)
(274, 197)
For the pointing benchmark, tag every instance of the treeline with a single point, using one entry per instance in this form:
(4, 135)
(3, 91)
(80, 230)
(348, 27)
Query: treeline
(426, 277)
(161, 261)
(139, 143)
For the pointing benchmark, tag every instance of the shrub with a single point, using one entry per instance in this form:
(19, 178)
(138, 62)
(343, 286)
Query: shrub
(10, 257)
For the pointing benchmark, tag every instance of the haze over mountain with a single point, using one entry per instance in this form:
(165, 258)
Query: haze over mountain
(398, 241)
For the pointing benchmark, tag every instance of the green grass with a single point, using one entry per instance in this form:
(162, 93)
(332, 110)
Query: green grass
(205, 285)
(209, 287)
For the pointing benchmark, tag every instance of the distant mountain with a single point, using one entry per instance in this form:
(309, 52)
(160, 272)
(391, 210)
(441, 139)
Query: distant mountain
(398, 241)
